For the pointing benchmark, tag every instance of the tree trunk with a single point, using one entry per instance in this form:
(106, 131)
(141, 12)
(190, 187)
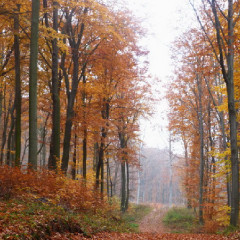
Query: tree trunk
(201, 134)
(18, 95)
(128, 190)
(9, 141)
(100, 164)
(67, 139)
(84, 147)
(70, 112)
(4, 134)
(33, 69)
(74, 167)
(55, 139)
(123, 186)
(115, 178)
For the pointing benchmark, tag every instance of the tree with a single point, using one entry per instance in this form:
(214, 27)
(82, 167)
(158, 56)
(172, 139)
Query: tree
(224, 19)
(33, 70)
(18, 94)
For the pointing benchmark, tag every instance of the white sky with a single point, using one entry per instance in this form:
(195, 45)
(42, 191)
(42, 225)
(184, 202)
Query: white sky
(165, 20)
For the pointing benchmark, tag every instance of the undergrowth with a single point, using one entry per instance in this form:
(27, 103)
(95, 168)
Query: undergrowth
(180, 220)
(37, 205)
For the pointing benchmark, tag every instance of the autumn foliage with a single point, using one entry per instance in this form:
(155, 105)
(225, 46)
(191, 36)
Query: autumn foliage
(49, 187)
(202, 116)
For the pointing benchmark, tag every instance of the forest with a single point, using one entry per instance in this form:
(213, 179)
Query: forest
(74, 87)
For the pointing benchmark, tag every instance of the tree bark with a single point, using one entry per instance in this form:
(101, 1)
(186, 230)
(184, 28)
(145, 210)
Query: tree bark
(123, 186)
(18, 95)
(9, 141)
(74, 167)
(201, 135)
(55, 138)
(84, 148)
(33, 69)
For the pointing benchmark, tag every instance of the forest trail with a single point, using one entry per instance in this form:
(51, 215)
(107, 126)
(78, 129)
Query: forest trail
(152, 228)
(152, 223)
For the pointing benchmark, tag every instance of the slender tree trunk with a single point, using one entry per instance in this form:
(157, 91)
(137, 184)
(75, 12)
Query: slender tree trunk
(33, 69)
(115, 178)
(1, 100)
(55, 139)
(4, 134)
(96, 156)
(74, 167)
(233, 120)
(123, 186)
(234, 158)
(18, 95)
(128, 189)
(70, 114)
(84, 148)
(9, 141)
(212, 189)
(201, 132)
(100, 164)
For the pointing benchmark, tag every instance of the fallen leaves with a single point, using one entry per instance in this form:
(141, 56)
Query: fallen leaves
(145, 236)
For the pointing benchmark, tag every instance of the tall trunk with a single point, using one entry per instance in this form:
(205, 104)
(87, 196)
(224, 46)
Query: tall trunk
(33, 69)
(9, 142)
(102, 174)
(233, 120)
(213, 188)
(96, 156)
(84, 148)
(42, 149)
(170, 170)
(67, 139)
(100, 164)
(234, 157)
(1, 100)
(70, 112)
(4, 133)
(55, 139)
(115, 178)
(128, 190)
(74, 167)
(200, 122)
(123, 186)
(18, 95)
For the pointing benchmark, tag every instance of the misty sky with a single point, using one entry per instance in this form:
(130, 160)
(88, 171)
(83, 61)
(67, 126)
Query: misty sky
(165, 20)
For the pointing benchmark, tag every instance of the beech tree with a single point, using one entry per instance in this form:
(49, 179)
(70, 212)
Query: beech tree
(33, 70)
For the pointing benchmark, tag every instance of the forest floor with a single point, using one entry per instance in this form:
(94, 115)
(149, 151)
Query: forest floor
(45, 206)
(151, 227)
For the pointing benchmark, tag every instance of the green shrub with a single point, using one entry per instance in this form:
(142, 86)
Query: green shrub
(180, 220)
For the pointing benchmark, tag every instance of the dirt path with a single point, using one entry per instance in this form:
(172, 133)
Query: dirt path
(152, 223)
